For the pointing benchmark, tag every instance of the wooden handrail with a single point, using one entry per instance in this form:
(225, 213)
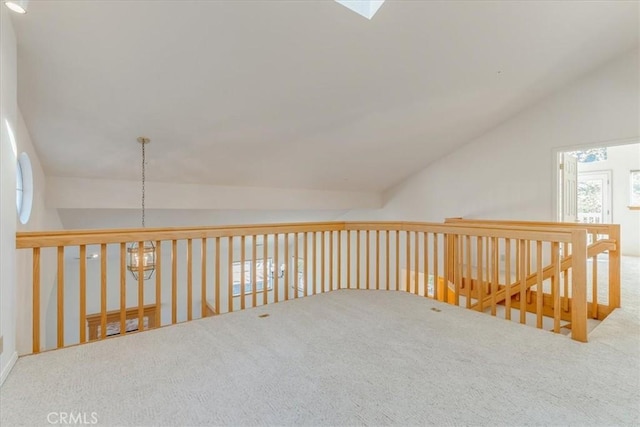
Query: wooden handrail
(591, 228)
(42, 239)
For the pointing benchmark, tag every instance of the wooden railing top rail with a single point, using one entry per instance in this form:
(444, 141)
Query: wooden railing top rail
(104, 236)
(91, 237)
(510, 232)
(591, 228)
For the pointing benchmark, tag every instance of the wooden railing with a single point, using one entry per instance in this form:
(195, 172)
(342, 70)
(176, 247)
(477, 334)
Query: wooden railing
(603, 244)
(213, 270)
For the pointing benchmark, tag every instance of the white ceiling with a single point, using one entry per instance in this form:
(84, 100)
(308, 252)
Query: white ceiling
(302, 94)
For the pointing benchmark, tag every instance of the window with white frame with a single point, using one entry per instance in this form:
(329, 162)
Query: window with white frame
(590, 155)
(261, 280)
(19, 188)
(634, 199)
(24, 188)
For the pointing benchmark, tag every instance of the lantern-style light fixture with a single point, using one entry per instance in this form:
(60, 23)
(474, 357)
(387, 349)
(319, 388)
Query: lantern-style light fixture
(142, 258)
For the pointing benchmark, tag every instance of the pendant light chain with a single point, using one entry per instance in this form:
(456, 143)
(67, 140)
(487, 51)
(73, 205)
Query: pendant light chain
(141, 255)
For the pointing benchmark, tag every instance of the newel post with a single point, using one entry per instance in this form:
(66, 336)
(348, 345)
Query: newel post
(579, 285)
(614, 267)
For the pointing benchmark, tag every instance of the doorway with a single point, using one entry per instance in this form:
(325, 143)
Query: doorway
(598, 185)
(594, 197)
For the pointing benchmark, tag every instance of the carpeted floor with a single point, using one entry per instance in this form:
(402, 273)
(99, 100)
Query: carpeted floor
(342, 358)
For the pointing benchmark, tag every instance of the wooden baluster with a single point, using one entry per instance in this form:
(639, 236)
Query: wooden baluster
(331, 260)
(426, 265)
(469, 279)
(243, 260)
(487, 270)
(296, 279)
(189, 279)
(529, 259)
(517, 266)
(387, 260)
(495, 276)
(123, 289)
(158, 321)
(339, 250)
(83, 294)
(230, 275)
(140, 293)
(243, 278)
(60, 295)
(377, 259)
(480, 273)
(314, 263)
(265, 272)
(287, 267)
(36, 301)
(322, 266)
(397, 260)
(565, 279)
(306, 264)
(446, 264)
(358, 259)
(349, 259)
(523, 280)
(217, 289)
(555, 283)
(529, 268)
(459, 269)
(254, 275)
(103, 290)
(276, 267)
(367, 254)
(436, 279)
(539, 286)
(507, 275)
(203, 276)
(416, 265)
(174, 282)
(408, 262)
(594, 282)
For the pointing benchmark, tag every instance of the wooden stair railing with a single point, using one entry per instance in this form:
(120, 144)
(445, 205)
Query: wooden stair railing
(532, 280)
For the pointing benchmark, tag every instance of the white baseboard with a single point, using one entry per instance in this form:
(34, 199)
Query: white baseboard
(9, 367)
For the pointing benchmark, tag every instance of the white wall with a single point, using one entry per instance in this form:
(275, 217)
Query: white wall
(70, 193)
(508, 173)
(8, 217)
(15, 266)
(42, 218)
(621, 159)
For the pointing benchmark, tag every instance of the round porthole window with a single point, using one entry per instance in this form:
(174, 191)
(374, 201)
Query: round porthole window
(24, 187)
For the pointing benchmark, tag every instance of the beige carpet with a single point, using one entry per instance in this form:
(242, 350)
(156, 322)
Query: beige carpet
(343, 358)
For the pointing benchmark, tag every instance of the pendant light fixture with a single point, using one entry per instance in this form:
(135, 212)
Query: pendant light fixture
(147, 254)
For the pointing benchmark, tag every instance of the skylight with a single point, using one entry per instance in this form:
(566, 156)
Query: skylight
(366, 8)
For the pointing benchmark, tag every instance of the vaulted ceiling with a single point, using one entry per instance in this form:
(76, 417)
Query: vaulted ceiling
(302, 94)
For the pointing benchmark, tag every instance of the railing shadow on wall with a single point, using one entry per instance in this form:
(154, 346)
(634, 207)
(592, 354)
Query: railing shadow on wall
(495, 267)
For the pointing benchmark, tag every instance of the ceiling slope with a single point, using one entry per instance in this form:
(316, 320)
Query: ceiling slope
(292, 94)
